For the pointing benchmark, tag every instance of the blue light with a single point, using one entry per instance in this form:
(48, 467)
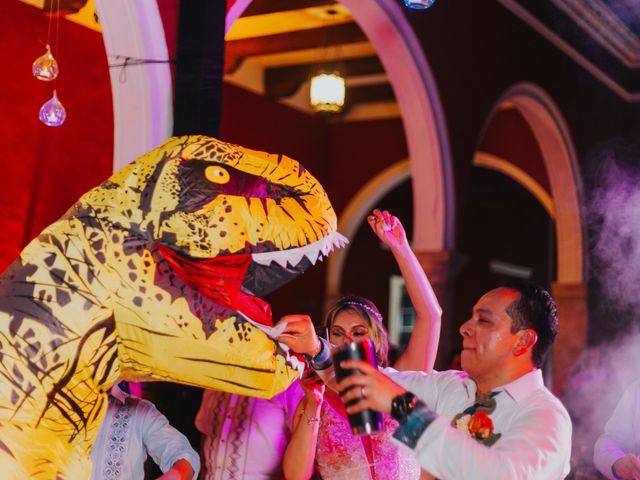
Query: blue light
(419, 4)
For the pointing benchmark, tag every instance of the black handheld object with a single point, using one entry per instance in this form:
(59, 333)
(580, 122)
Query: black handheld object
(367, 421)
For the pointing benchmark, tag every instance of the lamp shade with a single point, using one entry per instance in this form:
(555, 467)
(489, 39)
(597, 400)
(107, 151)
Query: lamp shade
(327, 92)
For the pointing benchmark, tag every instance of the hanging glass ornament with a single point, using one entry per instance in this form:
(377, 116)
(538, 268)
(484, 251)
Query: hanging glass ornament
(52, 113)
(45, 67)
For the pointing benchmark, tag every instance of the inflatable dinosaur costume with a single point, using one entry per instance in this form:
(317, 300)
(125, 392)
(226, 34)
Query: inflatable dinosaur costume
(152, 275)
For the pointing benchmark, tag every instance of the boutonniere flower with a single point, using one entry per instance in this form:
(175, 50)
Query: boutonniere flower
(478, 425)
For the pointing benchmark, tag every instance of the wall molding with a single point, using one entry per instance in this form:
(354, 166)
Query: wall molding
(518, 10)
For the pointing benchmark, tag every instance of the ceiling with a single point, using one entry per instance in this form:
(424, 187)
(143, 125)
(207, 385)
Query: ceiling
(602, 36)
(615, 24)
(276, 45)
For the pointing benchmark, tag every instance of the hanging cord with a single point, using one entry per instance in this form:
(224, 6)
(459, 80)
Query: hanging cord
(57, 56)
(121, 61)
(49, 26)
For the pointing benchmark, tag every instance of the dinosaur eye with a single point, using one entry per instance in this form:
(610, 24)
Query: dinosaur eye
(216, 174)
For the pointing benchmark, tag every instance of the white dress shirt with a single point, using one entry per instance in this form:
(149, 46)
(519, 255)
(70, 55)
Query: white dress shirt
(621, 433)
(245, 437)
(132, 428)
(535, 429)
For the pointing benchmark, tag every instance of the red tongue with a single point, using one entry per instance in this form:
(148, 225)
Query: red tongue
(220, 280)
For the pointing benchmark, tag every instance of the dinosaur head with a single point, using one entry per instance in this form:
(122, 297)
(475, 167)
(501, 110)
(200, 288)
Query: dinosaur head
(232, 224)
(204, 199)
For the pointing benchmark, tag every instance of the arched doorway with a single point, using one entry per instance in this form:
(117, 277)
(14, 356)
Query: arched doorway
(553, 139)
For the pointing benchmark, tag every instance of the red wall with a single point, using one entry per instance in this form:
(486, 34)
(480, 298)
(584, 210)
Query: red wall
(509, 136)
(44, 170)
(259, 123)
(358, 152)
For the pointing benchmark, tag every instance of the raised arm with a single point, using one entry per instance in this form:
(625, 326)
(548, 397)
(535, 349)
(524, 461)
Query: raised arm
(420, 353)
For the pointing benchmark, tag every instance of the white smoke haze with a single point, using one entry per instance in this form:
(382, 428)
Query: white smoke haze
(614, 215)
(605, 370)
(594, 391)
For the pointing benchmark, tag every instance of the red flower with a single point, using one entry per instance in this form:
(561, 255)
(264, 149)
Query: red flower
(480, 425)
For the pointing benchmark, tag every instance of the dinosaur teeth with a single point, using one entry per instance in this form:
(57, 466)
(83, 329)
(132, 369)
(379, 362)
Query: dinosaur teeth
(292, 257)
(293, 360)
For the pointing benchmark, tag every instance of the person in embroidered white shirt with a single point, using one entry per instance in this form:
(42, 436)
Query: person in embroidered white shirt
(245, 437)
(133, 428)
(519, 430)
(616, 451)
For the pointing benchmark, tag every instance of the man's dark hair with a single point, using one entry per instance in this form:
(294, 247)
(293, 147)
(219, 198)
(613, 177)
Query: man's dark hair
(534, 309)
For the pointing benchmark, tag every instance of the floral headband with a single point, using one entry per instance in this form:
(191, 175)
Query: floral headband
(366, 307)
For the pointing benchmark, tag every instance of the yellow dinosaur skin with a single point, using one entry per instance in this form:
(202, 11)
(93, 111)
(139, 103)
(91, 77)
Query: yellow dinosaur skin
(90, 301)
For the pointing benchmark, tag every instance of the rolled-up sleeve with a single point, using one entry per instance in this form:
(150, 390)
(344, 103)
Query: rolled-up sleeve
(164, 443)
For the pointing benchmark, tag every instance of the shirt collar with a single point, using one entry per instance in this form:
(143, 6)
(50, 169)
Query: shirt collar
(118, 394)
(522, 387)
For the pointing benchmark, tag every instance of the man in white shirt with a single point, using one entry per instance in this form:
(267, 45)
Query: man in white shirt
(616, 451)
(495, 419)
(132, 428)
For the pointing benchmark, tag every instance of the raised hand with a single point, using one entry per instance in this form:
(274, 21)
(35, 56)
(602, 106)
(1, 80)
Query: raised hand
(388, 229)
(299, 335)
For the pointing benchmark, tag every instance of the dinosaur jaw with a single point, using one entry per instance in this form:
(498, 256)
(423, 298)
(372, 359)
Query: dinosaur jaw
(293, 257)
(237, 281)
(271, 270)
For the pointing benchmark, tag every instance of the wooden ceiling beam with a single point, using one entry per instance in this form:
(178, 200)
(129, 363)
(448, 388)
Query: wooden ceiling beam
(377, 92)
(261, 7)
(237, 50)
(284, 81)
(63, 7)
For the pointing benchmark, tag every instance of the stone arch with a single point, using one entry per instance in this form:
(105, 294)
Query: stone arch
(385, 25)
(142, 107)
(552, 134)
(570, 291)
(143, 112)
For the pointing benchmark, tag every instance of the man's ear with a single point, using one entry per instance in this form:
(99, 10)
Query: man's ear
(527, 338)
